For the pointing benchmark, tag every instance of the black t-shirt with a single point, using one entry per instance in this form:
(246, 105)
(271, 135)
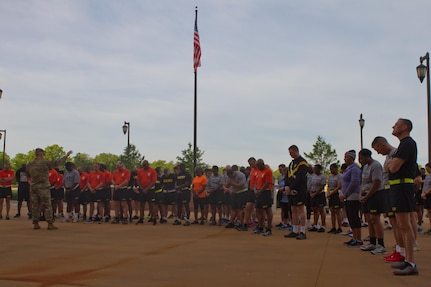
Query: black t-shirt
(408, 151)
(184, 178)
(168, 182)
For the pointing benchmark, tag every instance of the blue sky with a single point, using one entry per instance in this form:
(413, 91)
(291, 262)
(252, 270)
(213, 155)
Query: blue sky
(274, 73)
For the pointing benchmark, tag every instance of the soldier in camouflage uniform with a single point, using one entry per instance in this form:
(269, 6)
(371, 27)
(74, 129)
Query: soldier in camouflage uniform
(39, 186)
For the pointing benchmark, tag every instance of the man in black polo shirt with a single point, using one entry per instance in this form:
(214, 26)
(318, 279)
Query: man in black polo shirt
(403, 169)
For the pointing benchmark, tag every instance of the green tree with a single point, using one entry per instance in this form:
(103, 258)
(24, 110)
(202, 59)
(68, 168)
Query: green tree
(108, 159)
(163, 164)
(54, 152)
(131, 156)
(322, 154)
(187, 158)
(6, 158)
(19, 160)
(82, 160)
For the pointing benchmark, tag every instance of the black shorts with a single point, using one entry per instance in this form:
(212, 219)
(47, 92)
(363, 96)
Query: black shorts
(149, 197)
(298, 199)
(418, 198)
(334, 201)
(158, 197)
(73, 194)
(264, 200)
(105, 194)
(24, 191)
(227, 198)
(6, 192)
(285, 209)
(84, 197)
(428, 202)
(375, 204)
(184, 196)
(133, 195)
(319, 200)
(58, 194)
(216, 197)
(239, 200)
(402, 197)
(251, 196)
(121, 194)
(200, 203)
(170, 197)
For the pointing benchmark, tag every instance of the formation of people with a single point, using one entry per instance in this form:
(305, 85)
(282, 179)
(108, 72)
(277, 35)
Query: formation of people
(242, 198)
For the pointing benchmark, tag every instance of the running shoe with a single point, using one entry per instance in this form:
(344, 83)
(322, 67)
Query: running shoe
(291, 235)
(187, 223)
(284, 227)
(420, 230)
(332, 231)
(268, 232)
(195, 222)
(379, 249)
(313, 228)
(242, 227)
(348, 232)
(321, 230)
(140, 221)
(368, 247)
(257, 230)
(230, 225)
(301, 236)
(396, 257)
(407, 270)
(339, 230)
(17, 215)
(354, 243)
(416, 247)
(176, 222)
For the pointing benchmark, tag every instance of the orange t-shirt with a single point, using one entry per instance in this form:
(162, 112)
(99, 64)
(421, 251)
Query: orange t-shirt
(108, 178)
(146, 177)
(264, 176)
(59, 182)
(95, 178)
(52, 177)
(7, 177)
(83, 180)
(198, 182)
(253, 174)
(120, 176)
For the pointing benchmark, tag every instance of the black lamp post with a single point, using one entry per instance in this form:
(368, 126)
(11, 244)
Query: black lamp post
(424, 71)
(361, 125)
(126, 129)
(4, 145)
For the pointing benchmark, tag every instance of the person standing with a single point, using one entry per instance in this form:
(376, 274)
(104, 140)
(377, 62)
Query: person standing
(200, 197)
(316, 184)
(334, 186)
(71, 184)
(84, 196)
(146, 179)
(183, 181)
(215, 182)
(426, 194)
(372, 198)
(296, 189)
(6, 177)
(23, 190)
(120, 184)
(237, 183)
(350, 186)
(402, 171)
(40, 195)
(170, 196)
(96, 181)
(264, 200)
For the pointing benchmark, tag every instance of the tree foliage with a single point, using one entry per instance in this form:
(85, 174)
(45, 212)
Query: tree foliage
(131, 156)
(108, 159)
(187, 158)
(322, 153)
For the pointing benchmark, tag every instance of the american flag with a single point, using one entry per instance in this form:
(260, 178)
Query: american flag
(197, 46)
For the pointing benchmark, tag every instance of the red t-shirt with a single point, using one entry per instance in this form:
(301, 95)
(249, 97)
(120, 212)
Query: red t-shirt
(95, 178)
(83, 180)
(6, 177)
(146, 176)
(120, 176)
(264, 176)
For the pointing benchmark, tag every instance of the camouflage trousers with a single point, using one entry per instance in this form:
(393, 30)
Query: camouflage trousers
(40, 198)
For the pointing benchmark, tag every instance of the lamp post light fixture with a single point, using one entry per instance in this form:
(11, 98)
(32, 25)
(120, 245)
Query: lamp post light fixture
(4, 146)
(424, 71)
(126, 129)
(361, 125)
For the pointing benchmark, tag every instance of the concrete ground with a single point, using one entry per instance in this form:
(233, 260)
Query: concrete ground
(79, 254)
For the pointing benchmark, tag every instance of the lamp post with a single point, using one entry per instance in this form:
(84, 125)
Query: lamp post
(1, 93)
(4, 145)
(361, 125)
(126, 129)
(424, 71)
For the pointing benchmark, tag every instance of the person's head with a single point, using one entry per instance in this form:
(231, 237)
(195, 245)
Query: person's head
(215, 170)
(402, 128)
(208, 172)
(6, 166)
(364, 156)
(158, 170)
(428, 167)
(343, 167)
(230, 173)
(349, 157)
(96, 166)
(235, 167)
(422, 171)
(40, 153)
(182, 167)
(381, 145)
(69, 166)
(260, 164)
(102, 167)
(281, 167)
(317, 169)
(199, 171)
(252, 162)
(145, 164)
(166, 172)
(333, 168)
(294, 151)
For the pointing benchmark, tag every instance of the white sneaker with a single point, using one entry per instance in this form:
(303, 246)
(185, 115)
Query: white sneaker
(75, 220)
(378, 250)
(66, 219)
(416, 247)
(368, 247)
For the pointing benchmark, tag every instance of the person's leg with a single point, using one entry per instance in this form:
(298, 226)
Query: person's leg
(406, 230)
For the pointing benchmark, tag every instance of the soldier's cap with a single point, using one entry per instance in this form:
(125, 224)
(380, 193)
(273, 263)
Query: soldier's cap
(40, 150)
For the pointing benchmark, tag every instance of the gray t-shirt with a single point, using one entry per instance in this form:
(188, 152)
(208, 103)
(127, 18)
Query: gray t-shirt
(371, 172)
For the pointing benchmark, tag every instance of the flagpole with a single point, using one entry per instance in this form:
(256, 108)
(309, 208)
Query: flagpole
(195, 105)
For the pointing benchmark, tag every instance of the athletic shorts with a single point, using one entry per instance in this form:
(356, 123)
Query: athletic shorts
(6, 192)
(24, 191)
(84, 197)
(227, 198)
(216, 197)
(375, 204)
(73, 194)
(264, 200)
(149, 197)
(334, 201)
(105, 194)
(298, 199)
(285, 209)
(170, 198)
(239, 200)
(58, 194)
(200, 203)
(428, 202)
(121, 194)
(418, 198)
(402, 197)
(251, 196)
(158, 197)
(184, 196)
(319, 200)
